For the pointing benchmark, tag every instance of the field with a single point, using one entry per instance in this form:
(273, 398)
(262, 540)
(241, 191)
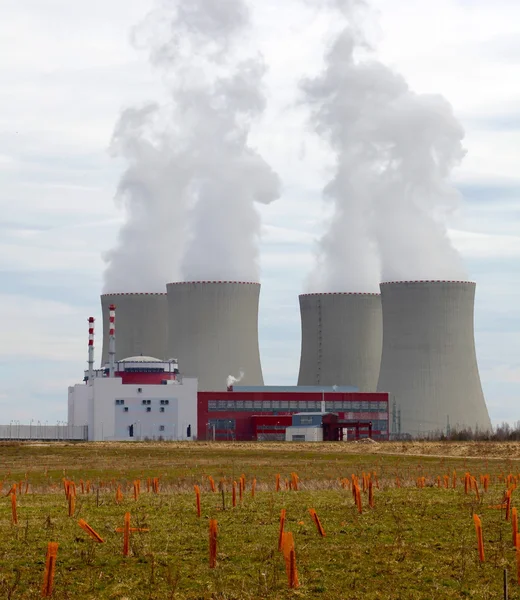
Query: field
(417, 541)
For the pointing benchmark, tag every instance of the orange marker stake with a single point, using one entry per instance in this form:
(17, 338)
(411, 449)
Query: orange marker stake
(290, 560)
(86, 527)
(253, 488)
(126, 535)
(197, 499)
(317, 522)
(282, 525)
(212, 484)
(50, 567)
(480, 540)
(370, 495)
(234, 495)
(213, 532)
(14, 513)
(514, 526)
(278, 483)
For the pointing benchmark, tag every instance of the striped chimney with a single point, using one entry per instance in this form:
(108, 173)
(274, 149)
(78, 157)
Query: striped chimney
(90, 350)
(112, 341)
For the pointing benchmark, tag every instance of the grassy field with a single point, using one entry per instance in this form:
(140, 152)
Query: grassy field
(414, 543)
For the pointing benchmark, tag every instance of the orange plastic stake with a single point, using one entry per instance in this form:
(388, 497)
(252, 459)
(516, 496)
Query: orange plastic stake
(234, 496)
(282, 525)
(86, 527)
(212, 484)
(290, 559)
(278, 483)
(446, 481)
(514, 525)
(241, 486)
(136, 490)
(50, 567)
(72, 505)
(316, 520)
(119, 495)
(294, 481)
(508, 504)
(14, 512)
(480, 540)
(197, 499)
(126, 535)
(88, 486)
(82, 486)
(253, 488)
(438, 481)
(26, 486)
(358, 500)
(397, 482)
(213, 532)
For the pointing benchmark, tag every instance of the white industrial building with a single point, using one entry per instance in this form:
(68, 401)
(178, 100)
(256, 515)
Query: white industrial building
(136, 398)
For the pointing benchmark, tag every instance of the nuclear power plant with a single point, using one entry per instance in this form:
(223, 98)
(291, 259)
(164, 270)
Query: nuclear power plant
(428, 361)
(213, 326)
(142, 325)
(341, 340)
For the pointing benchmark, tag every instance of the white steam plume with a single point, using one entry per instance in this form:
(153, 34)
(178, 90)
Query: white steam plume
(231, 380)
(395, 151)
(193, 179)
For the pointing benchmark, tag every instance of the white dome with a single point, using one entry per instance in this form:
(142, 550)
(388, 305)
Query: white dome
(144, 359)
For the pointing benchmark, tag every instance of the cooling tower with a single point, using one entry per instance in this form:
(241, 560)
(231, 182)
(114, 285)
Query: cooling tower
(141, 325)
(428, 361)
(341, 340)
(214, 331)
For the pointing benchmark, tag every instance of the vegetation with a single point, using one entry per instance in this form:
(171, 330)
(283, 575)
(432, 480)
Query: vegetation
(416, 542)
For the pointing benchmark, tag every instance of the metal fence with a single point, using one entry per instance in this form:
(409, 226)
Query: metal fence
(44, 432)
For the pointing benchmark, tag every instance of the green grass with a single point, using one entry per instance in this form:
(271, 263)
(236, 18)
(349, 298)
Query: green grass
(415, 543)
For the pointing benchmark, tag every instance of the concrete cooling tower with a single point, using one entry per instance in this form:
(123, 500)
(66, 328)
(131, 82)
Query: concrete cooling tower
(341, 340)
(428, 361)
(141, 325)
(214, 331)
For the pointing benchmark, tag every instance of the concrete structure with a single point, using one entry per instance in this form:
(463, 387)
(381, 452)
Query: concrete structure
(428, 362)
(341, 340)
(214, 330)
(139, 402)
(141, 322)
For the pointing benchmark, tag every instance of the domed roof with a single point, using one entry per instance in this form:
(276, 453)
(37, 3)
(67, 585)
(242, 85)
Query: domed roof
(143, 359)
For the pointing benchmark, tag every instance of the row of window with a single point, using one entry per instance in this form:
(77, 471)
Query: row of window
(148, 409)
(300, 405)
(145, 403)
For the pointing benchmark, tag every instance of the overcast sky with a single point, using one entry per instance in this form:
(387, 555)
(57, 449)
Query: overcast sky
(67, 69)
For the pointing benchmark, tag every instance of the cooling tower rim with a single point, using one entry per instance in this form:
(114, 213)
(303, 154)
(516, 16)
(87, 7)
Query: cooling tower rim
(465, 281)
(213, 282)
(133, 294)
(339, 294)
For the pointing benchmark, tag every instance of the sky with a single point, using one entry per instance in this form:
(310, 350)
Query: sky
(67, 70)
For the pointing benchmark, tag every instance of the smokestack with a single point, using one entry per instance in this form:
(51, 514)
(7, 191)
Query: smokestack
(341, 340)
(112, 341)
(429, 362)
(214, 331)
(90, 350)
(142, 325)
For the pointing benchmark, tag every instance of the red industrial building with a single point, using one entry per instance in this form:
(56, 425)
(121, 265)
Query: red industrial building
(265, 413)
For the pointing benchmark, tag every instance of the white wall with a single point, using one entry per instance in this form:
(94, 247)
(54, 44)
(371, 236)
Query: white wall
(312, 434)
(110, 421)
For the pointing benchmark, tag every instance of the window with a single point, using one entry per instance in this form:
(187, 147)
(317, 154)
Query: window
(161, 409)
(143, 401)
(119, 402)
(165, 402)
(126, 409)
(161, 427)
(148, 409)
(306, 420)
(212, 405)
(298, 438)
(239, 405)
(146, 401)
(248, 405)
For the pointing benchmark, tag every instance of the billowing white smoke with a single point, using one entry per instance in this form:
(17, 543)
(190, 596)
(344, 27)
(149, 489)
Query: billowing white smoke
(192, 179)
(395, 151)
(231, 380)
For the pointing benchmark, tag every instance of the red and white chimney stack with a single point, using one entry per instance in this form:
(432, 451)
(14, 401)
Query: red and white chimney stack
(112, 341)
(90, 350)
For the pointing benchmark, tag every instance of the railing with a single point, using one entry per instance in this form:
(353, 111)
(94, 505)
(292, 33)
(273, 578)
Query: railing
(43, 432)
